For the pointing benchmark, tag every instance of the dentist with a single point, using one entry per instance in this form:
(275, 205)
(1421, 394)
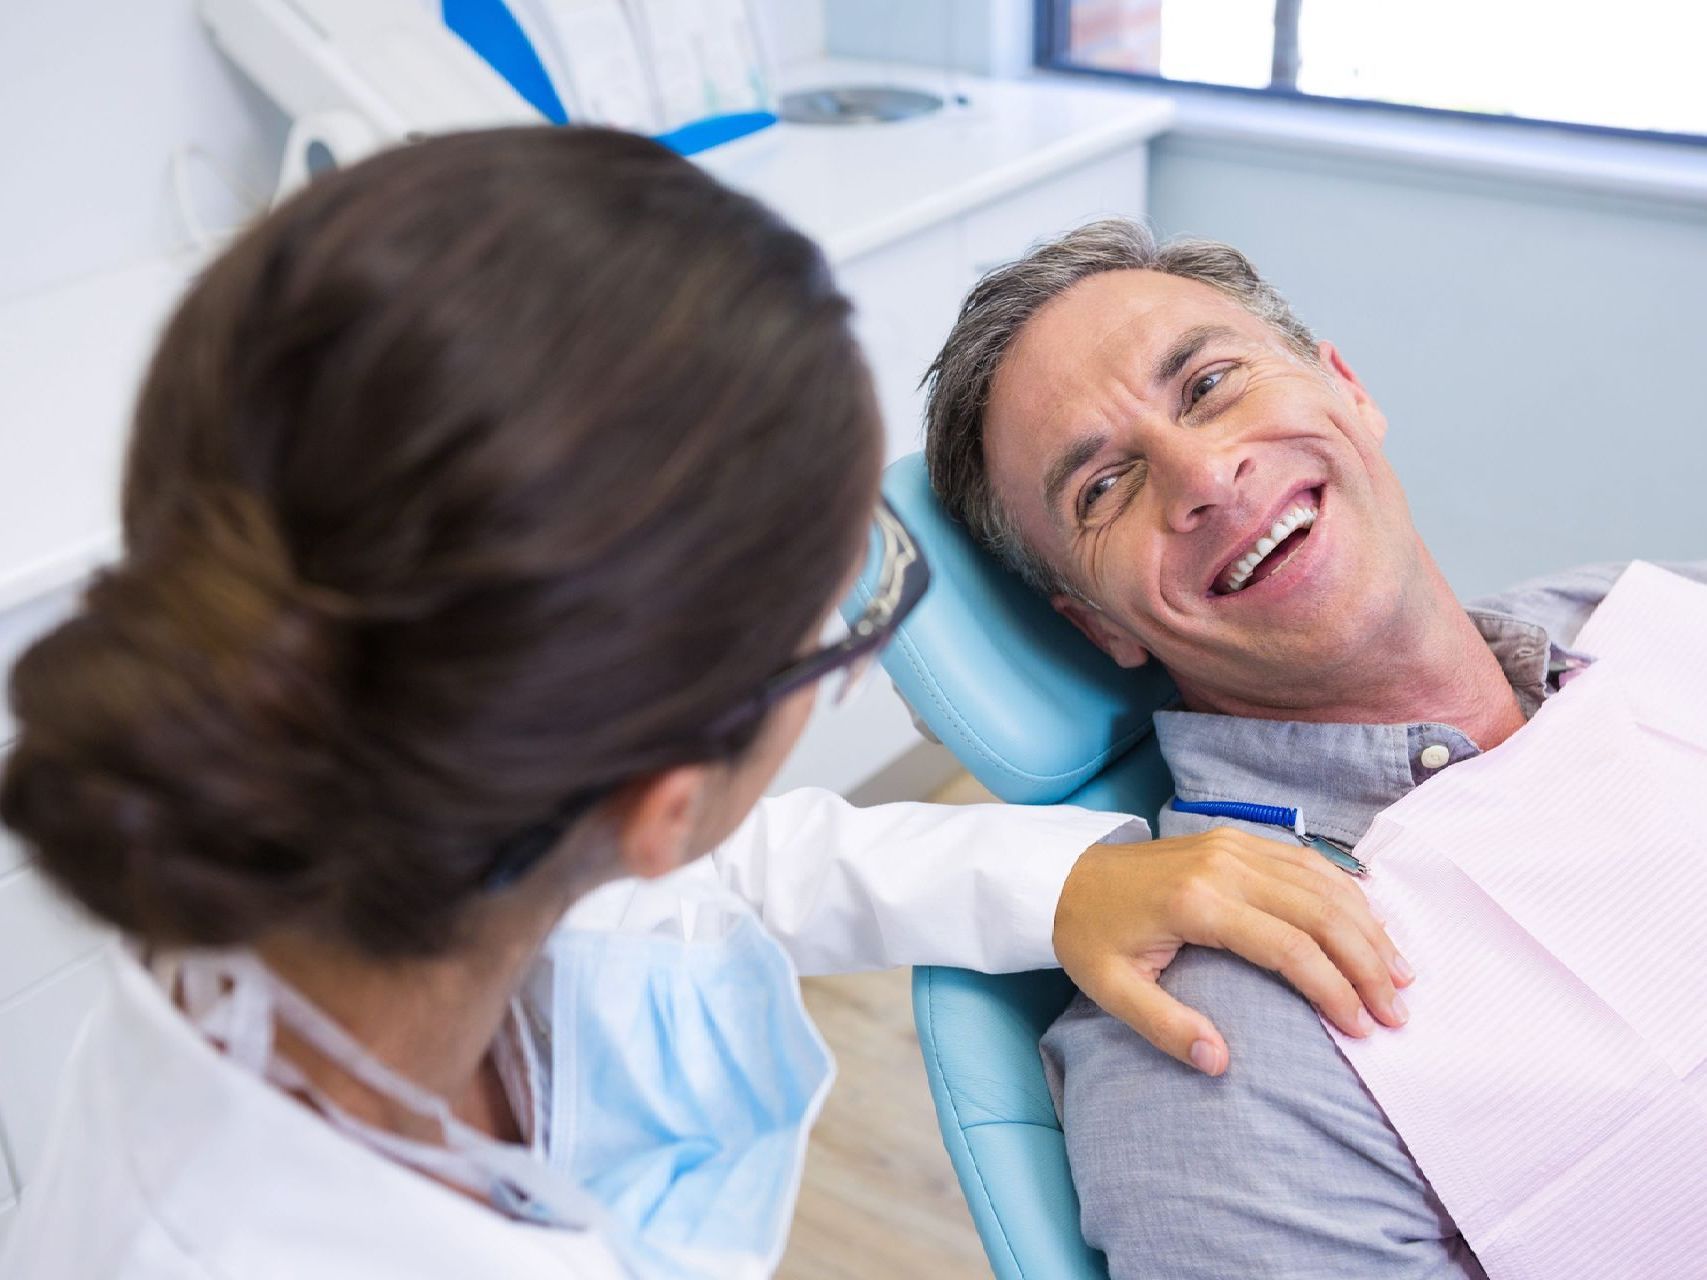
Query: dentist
(483, 511)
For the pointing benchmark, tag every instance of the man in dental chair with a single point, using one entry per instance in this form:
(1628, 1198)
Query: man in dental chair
(1152, 439)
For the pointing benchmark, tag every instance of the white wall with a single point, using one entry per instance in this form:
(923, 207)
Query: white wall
(794, 29)
(984, 37)
(96, 96)
(1537, 351)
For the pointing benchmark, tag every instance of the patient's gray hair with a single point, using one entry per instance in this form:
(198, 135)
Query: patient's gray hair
(992, 316)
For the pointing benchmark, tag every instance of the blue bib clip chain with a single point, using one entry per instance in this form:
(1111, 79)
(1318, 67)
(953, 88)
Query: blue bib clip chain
(1274, 815)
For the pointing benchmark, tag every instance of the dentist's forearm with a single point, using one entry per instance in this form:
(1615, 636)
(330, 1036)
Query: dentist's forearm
(844, 888)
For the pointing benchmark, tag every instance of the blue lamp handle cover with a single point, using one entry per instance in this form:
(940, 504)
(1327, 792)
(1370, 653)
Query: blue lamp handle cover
(491, 30)
(701, 135)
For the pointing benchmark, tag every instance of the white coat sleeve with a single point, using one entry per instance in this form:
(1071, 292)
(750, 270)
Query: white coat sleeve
(975, 886)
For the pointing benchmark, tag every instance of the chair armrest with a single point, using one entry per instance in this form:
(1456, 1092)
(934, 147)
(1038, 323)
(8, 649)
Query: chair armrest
(979, 1034)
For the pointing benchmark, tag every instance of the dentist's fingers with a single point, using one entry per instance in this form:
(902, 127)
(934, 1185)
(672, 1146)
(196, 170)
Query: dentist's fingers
(1176, 1029)
(1270, 942)
(1309, 869)
(1330, 882)
(1334, 929)
(1125, 910)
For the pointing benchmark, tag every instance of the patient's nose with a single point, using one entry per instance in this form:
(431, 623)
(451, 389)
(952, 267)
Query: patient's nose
(1197, 478)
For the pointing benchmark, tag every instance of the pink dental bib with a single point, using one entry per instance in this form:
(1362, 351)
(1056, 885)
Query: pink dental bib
(1552, 896)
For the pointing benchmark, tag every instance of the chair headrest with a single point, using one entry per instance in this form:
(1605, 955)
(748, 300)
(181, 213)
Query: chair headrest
(1030, 707)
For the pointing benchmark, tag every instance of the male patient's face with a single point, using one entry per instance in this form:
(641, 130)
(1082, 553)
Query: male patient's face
(1148, 433)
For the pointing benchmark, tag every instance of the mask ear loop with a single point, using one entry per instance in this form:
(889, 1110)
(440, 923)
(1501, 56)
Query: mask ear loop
(512, 1178)
(233, 998)
(221, 995)
(305, 1018)
(195, 986)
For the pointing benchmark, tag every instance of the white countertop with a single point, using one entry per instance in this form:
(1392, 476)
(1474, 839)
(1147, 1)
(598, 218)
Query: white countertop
(857, 187)
(71, 360)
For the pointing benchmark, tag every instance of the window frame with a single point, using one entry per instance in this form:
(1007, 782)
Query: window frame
(1050, 36)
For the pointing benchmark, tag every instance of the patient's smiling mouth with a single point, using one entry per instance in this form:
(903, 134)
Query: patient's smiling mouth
(1270, 550)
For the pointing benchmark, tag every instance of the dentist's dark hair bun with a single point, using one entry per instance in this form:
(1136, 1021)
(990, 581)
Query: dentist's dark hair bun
(487, 471)
(177, 740)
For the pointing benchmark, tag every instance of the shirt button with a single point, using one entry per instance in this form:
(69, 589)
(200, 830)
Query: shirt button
(1434, 756)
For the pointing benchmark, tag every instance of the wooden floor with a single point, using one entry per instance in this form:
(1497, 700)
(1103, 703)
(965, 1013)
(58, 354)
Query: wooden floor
(879, 1198)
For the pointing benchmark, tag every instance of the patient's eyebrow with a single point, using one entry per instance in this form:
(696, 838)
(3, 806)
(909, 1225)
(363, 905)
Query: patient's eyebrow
(1080, 451)
(1068, 464)
(1188, 345)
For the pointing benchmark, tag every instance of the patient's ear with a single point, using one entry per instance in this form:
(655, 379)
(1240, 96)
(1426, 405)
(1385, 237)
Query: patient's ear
(1107, 635)
(1368, 412)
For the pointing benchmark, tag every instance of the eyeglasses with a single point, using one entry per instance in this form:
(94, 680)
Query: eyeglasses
(848, 654)
(852, 648)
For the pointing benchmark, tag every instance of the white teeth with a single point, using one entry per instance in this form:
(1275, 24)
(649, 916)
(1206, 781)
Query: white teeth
(1239, 574)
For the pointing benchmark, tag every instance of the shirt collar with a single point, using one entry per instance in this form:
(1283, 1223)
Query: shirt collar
(1342, 775)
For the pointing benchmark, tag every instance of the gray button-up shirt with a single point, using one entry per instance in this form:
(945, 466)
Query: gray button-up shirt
(1341, 775)
(1284, 1167)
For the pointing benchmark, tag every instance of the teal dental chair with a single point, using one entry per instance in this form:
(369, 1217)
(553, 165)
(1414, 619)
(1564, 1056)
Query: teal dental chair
(1039, 716)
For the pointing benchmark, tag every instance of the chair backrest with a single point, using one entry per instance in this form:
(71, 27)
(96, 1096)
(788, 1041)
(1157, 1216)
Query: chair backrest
(1031, 707)
(1038, 715)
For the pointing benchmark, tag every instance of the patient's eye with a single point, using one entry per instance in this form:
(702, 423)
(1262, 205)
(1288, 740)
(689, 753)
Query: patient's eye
(1096, 488)
(1106, 483)
(1206, 383)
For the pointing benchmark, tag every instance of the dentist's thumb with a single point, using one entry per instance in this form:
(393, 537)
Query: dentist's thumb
(1117, 930)
(1138, 1000)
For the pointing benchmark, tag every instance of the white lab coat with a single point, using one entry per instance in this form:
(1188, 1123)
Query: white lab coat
(167, 1162)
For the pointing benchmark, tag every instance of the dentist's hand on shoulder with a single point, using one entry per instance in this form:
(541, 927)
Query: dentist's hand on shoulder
(1126, 909)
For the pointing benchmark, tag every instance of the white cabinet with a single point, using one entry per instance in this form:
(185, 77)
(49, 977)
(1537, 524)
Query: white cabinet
(905, 298)
(1002, 230)
(907, 294)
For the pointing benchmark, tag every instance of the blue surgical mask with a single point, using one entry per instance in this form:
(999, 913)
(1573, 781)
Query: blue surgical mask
(684, 1074)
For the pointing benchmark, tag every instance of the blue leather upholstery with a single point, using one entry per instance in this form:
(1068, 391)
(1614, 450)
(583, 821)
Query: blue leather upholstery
(1038, 715)
(1030, 706)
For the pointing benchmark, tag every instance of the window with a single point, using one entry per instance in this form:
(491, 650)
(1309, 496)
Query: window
(1635, 66)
